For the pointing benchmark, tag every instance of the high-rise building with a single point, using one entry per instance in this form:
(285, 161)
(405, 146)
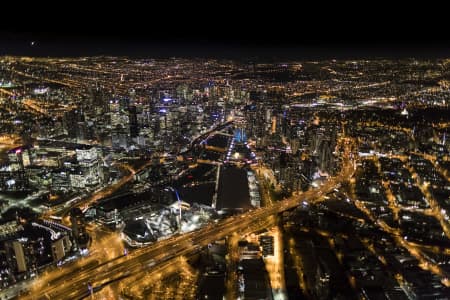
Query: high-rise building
(134, 128)
(60, 179)
(14, 177)
(89, 167)
(15, 157)
(19, 255)
(58, 251)
(267, 244)
(80, 235)
(120, 137)
(35, 244)
(99, 101)
(71, 121)
(124, 103)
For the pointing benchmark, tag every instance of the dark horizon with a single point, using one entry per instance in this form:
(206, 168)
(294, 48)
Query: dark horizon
(221, 50)
(225, 46)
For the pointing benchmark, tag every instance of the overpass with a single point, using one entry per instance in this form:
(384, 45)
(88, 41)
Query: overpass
(205, 134)
(72, 283)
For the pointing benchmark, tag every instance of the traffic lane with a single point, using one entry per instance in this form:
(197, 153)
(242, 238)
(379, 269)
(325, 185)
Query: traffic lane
(264, 212)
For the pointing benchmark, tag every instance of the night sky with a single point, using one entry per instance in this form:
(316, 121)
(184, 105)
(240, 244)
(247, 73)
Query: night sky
(280, 32)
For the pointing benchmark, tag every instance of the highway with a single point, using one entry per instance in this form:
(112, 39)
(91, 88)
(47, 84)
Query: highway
(73, 284)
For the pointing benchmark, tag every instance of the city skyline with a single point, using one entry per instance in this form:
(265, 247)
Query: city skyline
(174, 166)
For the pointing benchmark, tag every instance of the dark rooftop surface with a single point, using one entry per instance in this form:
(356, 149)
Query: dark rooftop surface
(202, 193)
(213, 287)
(255, 276)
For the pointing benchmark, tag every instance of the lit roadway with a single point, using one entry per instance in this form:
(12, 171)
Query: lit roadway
(73, 284)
